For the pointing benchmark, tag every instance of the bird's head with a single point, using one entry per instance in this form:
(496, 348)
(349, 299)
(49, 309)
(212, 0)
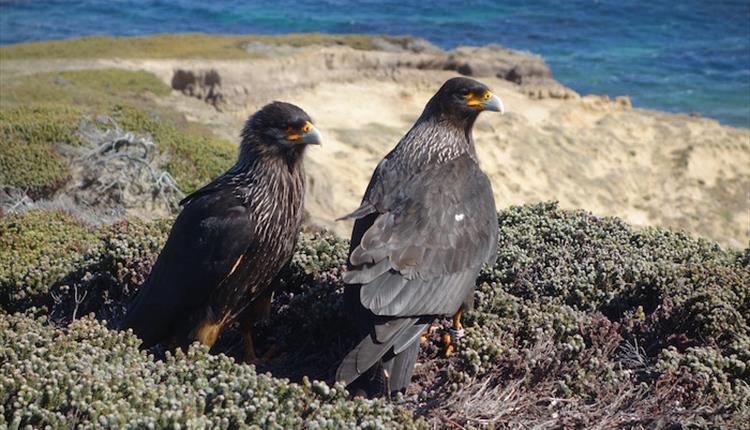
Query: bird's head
(279, 128)
(463, 99)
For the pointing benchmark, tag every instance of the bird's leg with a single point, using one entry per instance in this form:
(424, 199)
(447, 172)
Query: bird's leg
(248, 346)
(208, 333)
(387, 384)
(248, 349)
(456, 332)
(257, 310)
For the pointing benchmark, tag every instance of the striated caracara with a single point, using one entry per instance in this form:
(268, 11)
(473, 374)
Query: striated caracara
(426, 225)
(231, 239)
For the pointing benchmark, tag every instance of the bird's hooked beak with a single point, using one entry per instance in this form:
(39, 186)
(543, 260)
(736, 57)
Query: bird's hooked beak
(307, 135)
(494, 104)
(486, 101)
(312, 137)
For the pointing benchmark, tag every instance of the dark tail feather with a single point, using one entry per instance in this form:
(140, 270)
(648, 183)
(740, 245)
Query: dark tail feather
(370, 350)
(401, 367)
(395, 353)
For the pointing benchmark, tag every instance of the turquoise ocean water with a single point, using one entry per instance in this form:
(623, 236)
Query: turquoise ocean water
(686, 56)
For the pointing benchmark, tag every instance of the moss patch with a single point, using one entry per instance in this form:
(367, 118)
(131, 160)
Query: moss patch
(90, 88)
(186, 45)
(36, 114)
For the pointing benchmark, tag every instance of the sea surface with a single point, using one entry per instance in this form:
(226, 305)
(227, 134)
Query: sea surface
(680, 56)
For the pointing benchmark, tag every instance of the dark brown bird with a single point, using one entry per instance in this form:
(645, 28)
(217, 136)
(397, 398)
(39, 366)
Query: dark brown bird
(231, 239)
(426, 225)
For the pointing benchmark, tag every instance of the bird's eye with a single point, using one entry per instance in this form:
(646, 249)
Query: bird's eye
(487, 95)
(306, 128)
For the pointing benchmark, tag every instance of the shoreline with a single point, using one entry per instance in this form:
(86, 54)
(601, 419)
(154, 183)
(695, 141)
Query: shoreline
(363, 41)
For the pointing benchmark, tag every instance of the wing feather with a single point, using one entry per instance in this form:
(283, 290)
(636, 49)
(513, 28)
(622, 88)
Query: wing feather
(433, 235)
(203, 247)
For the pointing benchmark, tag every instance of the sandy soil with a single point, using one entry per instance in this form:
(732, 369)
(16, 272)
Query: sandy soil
(648, 167)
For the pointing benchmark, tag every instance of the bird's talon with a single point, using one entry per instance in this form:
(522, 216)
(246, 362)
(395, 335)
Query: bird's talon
(448, 351)
(447, 345)
(427, 333)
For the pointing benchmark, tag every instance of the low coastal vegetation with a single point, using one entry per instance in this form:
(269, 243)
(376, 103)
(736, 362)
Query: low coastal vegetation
(582, 320)
(186, 45)
(41, 112)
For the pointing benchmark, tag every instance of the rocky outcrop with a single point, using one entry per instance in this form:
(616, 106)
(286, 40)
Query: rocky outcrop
(416, 45)
(499, 62)
(202, 84)
(523, 68)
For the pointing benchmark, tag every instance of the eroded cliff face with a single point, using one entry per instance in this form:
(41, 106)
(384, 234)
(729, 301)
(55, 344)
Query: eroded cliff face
(648, 167)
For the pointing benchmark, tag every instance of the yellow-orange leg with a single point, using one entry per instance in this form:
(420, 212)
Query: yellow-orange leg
(456, 332)
(447, 345)
(457, 322)
(387, 378)
(248, 351)
(256, 311)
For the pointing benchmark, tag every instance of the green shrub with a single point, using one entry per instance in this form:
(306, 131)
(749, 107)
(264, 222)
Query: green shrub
(38, 250)
(46, 255)
(589, 287)
(583, 320)
(28, 158)
(90, 377)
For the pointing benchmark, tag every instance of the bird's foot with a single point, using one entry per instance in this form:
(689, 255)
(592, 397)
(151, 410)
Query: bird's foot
(450, 338)
(427, 333)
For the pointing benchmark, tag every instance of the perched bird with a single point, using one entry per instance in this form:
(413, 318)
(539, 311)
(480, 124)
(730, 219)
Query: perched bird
(426, 225)
(231, 239)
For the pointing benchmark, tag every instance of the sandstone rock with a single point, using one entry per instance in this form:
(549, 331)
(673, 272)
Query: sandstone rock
(548, 89)
(495, 61)
(624, 101)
